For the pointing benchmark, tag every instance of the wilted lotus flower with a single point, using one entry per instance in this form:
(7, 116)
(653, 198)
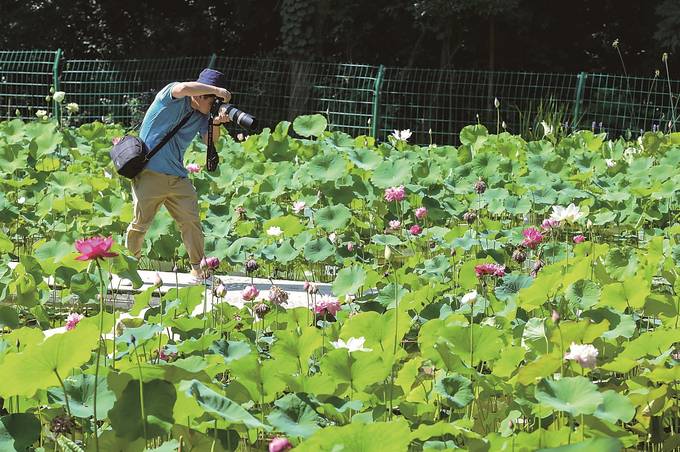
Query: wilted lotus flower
(532, 237)
(421, 212)
(394, 224)
(251, 265)
(299, 206)
(240, 212)
(194, 168)
(250, 293)
(279, 445)
(72, 320)
(584, 354)
(94, 248)
(579, 238)
(72, 108)
(353, 344)
(59, 96)
(480, 186)
(470, 216)
(311, 288)
(395, 193)
(261, 309)
(327, 305)
(519, 256)
(402, 134)
(538, 265)
(277, 295)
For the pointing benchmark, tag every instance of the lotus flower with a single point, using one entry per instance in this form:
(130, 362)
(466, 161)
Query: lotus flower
(279, 445)
(469, 297)
(327, 305)
(94, 248)
(250, 293)
(353, 344)
(570, 214)
(72, 320)
(274, 231)
(402, 134)
(610, 163)
(549, 224)
(41, 113)
(584, 354)
(415, 229)
(220, 291)
(394, 224)
(532, 237)
(579, 238)
(490, 269)
(59, 96)
(395, 193)
(72, 108)
(299, 206)
(350, 246)
(194, 168)
(277, 295)
(421, 212)
(212, 262)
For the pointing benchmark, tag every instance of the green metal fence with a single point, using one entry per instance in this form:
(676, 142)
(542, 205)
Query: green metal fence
(358, 99)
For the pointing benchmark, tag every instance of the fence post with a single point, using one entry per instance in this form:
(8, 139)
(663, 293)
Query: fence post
(580, 88)
(375, 116)
(55, 84)
(211, 63)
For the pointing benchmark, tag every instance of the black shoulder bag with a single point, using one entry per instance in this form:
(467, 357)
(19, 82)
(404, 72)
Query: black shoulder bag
(131, 154)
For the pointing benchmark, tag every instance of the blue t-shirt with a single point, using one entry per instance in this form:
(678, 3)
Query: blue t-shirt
(162, 116)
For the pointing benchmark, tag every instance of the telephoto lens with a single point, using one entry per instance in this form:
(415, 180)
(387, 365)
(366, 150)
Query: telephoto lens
(240, 117)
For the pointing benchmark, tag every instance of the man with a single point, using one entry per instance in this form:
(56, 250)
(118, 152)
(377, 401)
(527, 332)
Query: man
(164, 179)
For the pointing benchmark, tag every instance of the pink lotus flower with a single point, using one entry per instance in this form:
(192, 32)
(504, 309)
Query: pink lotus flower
(279, 445)
(94, 248)
(415, 229)
(532, 237)
(299, 206)
(394, 224)
(350, 246)
(327, 305)
(490, 269)
(584, 354)
(579, 239)
(250, 293)
(212, 262)
(310, 287)
(194, 168)
(395, 193)
(421, 212)
(549, 224)
(72, 320)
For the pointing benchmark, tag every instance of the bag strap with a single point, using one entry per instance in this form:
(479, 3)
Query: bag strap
(167, 137)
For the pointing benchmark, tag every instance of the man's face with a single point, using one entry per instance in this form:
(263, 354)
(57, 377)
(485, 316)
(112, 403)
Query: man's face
(203, 103)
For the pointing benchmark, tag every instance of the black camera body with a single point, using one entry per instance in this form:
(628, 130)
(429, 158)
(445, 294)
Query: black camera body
(240, 117)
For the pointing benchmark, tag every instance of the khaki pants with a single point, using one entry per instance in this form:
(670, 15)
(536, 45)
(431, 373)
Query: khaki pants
(151, 189)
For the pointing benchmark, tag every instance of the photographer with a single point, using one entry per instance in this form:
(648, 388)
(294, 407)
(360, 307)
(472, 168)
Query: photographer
(164, 178)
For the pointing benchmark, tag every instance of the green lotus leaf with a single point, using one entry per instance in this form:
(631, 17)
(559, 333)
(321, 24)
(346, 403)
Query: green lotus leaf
(333, 218)
(310, 125)
(356, 370)
(511, 285)
(380, 330)
(631, 293)
(318, 250)
(484, 345)
(615, 407)
(364, 158)
(456, 390)
(392, 173)
(13, 157)
(582, 294)
(297, 347)
(572, 395)
(392, 240)
(474, 135)
(285, 252)
(295, 416)
(290, 225)
(19, 431)
(349, 280)
(358, 436)
(37, 366)
(598, 444)
(80, 394)
(327, 167)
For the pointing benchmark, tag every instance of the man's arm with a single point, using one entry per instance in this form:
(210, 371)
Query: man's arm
(184, 89)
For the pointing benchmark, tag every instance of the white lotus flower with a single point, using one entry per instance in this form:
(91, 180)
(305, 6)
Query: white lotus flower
(469, 297)
(353, 344)
(547, 129)
(21, 200)
(570, 214)
(41, 113)
(299, 206)
(402, 134)
(72, 108)
(332, 237)
(610, 163)
(59, 96)
(584, 354)
(274, 231)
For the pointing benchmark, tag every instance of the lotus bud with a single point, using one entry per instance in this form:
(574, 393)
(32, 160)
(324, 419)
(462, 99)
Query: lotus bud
(388, 253)
(555, 316)
(157, 281)
(251, 265)
(519, 256)
(480, 186)
(496, 102)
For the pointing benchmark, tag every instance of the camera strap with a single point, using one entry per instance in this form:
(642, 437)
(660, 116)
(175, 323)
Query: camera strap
(212, 159)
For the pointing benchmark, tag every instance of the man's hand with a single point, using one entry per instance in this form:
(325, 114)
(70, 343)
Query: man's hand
(222, 117)
(223, 93)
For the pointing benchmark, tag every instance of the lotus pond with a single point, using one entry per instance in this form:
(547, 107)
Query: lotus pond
(498, 295)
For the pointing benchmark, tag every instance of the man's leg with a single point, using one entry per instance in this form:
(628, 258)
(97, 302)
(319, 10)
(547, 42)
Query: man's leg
(182, 203)
(148, 193)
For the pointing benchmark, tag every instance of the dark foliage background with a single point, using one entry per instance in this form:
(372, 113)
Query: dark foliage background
(529, 35)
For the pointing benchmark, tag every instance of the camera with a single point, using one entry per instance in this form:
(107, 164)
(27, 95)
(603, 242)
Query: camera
(240, 117)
